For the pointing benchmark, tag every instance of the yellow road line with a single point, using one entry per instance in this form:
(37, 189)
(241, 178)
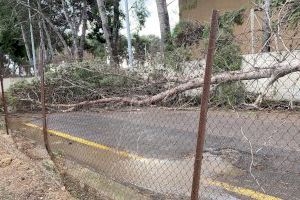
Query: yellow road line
(238, 190)
(243, 191)
(87, 142)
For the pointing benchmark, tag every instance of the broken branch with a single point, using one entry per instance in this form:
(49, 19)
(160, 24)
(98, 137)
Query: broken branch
(275, 71)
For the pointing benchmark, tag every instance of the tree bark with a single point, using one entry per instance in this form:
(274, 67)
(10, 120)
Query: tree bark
(27, 49)
(84, 27)
(61, 38)
(273, 79)
(106, 30)
(42, 48)
(115, 31)
(44, 28)
(74, 35)
(26, 45)
(49, 42)
(266, 26)
(164, 23)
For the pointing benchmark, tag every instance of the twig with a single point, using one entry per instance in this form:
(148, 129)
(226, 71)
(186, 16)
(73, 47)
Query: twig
(251, 149)
(252, 161)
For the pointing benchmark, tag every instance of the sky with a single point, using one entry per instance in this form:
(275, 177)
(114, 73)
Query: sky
(152, 23)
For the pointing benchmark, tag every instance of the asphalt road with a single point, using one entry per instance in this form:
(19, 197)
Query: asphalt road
(167, 139)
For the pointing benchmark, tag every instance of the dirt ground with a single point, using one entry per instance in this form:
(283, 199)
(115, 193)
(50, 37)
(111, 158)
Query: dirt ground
(27, 172)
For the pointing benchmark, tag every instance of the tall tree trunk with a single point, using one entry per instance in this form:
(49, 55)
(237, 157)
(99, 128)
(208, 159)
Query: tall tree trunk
(44, 28)
(61, 38)
(266, 26)
(106, 30)
(49, 42)
(40, 25)
(32, 40)
(26, 44)
(115, 31)
(2, 70)
(42, 47)
(84, 27)
(164, 23)
(72, 25)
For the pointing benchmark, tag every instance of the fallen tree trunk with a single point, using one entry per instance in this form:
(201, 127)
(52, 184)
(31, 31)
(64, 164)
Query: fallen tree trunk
(256, 73)
(273, 79)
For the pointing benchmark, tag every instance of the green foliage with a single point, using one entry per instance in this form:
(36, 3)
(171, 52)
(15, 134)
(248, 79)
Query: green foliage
(10, 35)
(141, 13)
(294, 14)
(95, 80)
(229, 94)
(274, 3)
(96, 47)
(292, 17)
(228, 54)
(177, 58)
(145, 45)
(11, 44)
(228, 57)
(16, 91)
(230, 19)
(187, 33)
(74, 83)
(178, 51)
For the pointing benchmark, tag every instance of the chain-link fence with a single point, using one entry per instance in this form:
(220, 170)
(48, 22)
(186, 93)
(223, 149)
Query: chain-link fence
(134, 131)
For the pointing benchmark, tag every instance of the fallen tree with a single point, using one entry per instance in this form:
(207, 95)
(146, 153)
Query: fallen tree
(278, 70)
(274, 77)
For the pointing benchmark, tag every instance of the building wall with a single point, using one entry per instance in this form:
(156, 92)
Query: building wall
(201, 10)
(286, 88)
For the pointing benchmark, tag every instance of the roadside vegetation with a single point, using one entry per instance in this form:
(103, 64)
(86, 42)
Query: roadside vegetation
(88, 69)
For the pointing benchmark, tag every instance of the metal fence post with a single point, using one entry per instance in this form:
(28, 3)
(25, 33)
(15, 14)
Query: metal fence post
(4, 105)
(204, 106)
(2, 72)
(43, 96)
(44, 115)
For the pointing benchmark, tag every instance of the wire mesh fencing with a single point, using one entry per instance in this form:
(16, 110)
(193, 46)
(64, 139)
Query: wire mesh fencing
(135, 130)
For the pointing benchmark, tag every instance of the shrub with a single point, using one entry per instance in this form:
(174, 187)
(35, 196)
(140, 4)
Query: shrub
(227, 57)
(187, 33)
(77, 82)
(176, 59)
(229, 94)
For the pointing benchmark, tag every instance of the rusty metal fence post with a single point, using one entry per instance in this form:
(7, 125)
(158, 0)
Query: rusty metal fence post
(43, 95)
(204, 106)
(4, 105)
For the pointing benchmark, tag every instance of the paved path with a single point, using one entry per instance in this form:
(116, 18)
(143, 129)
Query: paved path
(165, 141)
(163, 134)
